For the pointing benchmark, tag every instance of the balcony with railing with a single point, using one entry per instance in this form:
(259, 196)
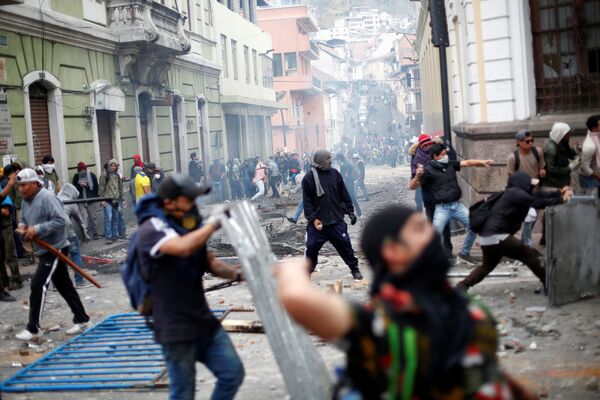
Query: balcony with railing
(148, 24)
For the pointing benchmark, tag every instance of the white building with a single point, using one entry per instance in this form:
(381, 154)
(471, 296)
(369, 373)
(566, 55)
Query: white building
(508, 72)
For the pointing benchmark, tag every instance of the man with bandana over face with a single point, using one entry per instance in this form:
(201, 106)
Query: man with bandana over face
(326, 201)
(417, 337)
(171, 244)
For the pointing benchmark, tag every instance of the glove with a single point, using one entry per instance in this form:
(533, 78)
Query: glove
(213, 220)
(353, 219)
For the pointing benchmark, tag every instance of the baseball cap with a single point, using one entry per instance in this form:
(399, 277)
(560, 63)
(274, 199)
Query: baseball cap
(150, 165)
(522, 134)
(28, 175)
(180, 185)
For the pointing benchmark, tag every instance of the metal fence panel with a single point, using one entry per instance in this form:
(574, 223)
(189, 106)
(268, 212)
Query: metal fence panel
(303, 369)
(573, 251)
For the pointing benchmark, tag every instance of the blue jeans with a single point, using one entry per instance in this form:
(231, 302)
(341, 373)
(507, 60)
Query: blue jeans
(527, 233)
(589, 183)
(457, 210)
(219, 356)
(75, 255)
(114, 224)
(419, 199)
(299, 210)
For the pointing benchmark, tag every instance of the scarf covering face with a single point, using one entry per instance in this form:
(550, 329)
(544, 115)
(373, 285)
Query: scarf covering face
(322, 161)
(445, 317)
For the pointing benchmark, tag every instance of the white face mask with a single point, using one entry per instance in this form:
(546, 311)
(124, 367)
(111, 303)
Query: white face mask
(48, 168)
(444, 160)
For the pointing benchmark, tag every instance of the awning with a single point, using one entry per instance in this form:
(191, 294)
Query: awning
(108, 97)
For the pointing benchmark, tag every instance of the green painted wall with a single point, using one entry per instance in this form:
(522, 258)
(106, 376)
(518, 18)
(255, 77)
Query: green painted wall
(74, 8)
(76, 68)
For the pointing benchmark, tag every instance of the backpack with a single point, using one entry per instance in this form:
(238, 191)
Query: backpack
(136, 280)
(518, 157)
(481, 211)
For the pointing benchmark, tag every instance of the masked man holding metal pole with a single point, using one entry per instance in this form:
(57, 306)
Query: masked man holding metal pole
(43, 217)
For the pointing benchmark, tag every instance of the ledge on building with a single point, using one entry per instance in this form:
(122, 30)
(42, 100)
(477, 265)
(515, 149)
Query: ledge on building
(507, 130)
(235, 99)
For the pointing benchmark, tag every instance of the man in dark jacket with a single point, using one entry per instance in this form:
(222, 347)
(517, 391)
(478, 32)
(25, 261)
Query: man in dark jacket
(326, 201)
(86, 183)
(506, 216)
(439, 178)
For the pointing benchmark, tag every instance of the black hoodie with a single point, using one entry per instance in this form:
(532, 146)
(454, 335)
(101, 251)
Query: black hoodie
(510, 210)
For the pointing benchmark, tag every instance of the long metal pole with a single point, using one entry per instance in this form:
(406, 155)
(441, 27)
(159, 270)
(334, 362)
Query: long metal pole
(445, 96)
(283, 130)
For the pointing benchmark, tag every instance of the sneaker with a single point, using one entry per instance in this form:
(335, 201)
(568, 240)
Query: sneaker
(122, 238)
(78, 328)
(26, 335)
(82, 285)
(468, 259)
(110, 241)
(95, 237)
(357, 275)
(5, 296)
(292, 220)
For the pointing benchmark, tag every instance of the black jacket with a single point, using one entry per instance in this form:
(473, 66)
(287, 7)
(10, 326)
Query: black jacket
(510, 210)
(331, 207)
(88, 193)
(440, 182)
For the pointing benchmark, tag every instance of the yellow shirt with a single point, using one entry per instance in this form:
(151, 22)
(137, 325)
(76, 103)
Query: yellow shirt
(141, 181)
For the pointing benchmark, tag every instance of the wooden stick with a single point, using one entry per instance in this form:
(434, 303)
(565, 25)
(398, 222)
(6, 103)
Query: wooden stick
(66, 260)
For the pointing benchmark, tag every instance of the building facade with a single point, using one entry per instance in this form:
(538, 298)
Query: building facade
(91, 80)
(512, 65)
(300, 127)
(246, 84)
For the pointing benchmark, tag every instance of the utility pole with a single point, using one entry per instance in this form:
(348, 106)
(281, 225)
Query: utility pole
(439, 38)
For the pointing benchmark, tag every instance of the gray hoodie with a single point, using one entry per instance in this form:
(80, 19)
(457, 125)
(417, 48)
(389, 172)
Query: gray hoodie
(67, 193)
(45, 213)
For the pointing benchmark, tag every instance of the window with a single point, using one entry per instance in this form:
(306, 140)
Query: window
(247, 63)
(566, 46)
(291, 64)
(234, 62)
(305, 66)
(224, 56)
(267, 71)
(297, 110)
(255, 66)
(277, 65)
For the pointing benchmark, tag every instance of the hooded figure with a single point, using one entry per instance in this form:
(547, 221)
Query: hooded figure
(75, 224)
(558, 155)
(322, 161)
(506, 216)
(416, 337)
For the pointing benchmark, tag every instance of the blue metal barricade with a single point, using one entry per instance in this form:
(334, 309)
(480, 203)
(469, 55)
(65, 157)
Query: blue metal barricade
(118, 353)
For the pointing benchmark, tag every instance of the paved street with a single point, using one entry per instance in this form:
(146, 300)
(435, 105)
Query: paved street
(567, 338)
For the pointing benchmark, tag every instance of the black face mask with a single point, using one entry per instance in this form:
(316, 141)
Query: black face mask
(427, 272)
